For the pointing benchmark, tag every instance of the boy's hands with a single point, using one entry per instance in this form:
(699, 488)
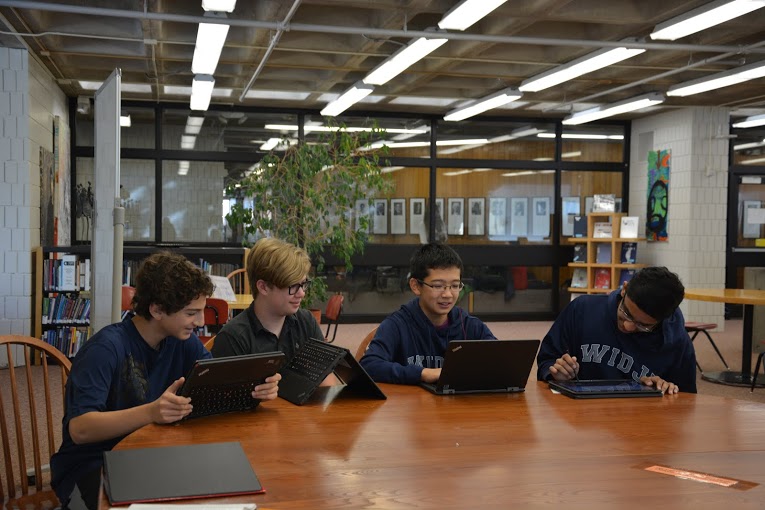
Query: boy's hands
(269, 389)
(430, 375)
(170, 407)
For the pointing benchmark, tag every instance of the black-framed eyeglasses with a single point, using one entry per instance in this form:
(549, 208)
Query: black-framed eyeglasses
(440, 287)
(625, 316)
(292, 289)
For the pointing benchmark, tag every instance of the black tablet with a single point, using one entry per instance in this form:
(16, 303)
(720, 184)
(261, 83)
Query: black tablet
(604, 388)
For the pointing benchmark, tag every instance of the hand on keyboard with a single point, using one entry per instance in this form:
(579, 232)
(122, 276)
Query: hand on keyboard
(269, 389)
(170, 407)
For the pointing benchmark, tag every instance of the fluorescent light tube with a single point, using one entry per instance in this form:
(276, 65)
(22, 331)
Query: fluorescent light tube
(753, 161)
(709, 15)
(124, 120)
(183, 167)
(402, 59)
(350, 129)
(201, 92)
(347, 99)
(219, 5)
(750, 145)
(468, 12)
(210, 40)
(188, 141)
(481, 105)
(583, 65)
(270, 144)
(753, 121)
(186, 91)
(582, 136)
(719, 80)
(194, 125)
(600, 112)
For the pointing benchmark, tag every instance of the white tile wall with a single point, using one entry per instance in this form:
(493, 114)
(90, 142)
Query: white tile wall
(697, 199)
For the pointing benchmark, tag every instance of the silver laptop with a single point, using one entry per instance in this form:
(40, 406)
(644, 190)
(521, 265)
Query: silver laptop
(485, 366)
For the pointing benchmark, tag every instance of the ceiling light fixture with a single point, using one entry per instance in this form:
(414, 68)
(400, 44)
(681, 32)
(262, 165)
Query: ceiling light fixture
(219, 5)
(708, 15)
(402, 59)
(583, 65)
(201, 91)
(125, 121)
(468, 12)
(719, 80)
(194, 125)
(350, 129)
(270, 144)
(188, 142)
(481, 105)
(601, 112)
(753, 161)
(753, 121)
(751, 145)
(183, 167)
(582, 136)
(210, 40)
(347, 99)
(176, 90)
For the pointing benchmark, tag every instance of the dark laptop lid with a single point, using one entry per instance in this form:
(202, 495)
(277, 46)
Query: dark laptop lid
(178, 472)
(479, 366)
(604, 388)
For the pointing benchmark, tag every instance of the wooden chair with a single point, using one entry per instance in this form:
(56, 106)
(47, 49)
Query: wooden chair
(239, 281)
(127, 298)
(364, 344)
(210, 343)
(332, 314)
(20, 417)
(702, 327)
(216, 315)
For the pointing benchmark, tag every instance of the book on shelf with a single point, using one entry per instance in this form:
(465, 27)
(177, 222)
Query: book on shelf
(580, 226)
(602, 278)
(603, 255)
(629, 227)
(580, 253)
(629, 253)
(69, 272)
(604, 203)
(625, 275)
(602, 230)
(579, 279)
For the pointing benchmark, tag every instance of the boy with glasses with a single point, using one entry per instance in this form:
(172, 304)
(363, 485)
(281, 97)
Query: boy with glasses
(637, 332)
(278, 276)
(409, 345)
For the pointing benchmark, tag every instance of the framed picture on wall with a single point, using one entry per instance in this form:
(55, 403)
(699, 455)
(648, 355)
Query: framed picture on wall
(540, 216)
(398, 216)
(416, 215)
(588, 202)
(519, 216)
(363, 210)
(456, 223)
(569, 209)
(618, 204)
(476, 216)
(751, 227)
(380, 216)
(440, 208)
(497, 216)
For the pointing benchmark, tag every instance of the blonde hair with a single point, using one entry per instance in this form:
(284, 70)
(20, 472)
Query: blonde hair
(277, 262)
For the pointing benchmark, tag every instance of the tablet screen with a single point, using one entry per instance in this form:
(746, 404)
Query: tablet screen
(604, 386)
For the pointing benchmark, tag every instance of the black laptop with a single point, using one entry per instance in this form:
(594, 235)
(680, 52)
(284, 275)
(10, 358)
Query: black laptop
(222, 385)
(313, 362)
(485, 366)
(608, 388)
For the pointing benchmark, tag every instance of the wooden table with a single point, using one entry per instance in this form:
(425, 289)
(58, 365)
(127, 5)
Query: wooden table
(748, 298)
(242, 302)
(532, 450)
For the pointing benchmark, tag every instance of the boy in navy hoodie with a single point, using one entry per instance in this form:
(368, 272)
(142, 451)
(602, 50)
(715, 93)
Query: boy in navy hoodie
(636, 332)
(409, 345)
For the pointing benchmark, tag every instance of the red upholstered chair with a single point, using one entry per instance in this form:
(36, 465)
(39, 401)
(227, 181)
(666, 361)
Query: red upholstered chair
(127, 297)
(332, 313)
(216, 315)
(694, 328)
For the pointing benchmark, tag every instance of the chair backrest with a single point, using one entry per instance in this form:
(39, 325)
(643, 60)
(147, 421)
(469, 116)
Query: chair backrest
(24, 404)
(364, 344)
(127, 297)
(332, 314)
(239, 281)
(209, 343)
(216, 312)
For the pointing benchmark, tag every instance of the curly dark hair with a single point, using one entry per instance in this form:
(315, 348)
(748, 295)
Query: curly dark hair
(657, 291)
(170, 281)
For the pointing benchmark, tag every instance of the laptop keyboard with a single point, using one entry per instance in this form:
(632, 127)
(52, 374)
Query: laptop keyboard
(312, 360)
(209, 400)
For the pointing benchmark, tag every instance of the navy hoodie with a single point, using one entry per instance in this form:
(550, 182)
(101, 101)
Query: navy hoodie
(406, 342)
(587, 329)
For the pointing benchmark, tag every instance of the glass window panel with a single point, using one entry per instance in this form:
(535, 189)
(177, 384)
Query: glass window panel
(510, 289)
(192, 203)
(603, 144)
(577, 191)
(491, 206)
(496, 140)
(137, 196)
(751, 210)
(223, 131)
(139, 135)
(749, 146)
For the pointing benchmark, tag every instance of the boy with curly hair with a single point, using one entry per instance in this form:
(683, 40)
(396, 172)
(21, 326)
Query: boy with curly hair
(127, 375)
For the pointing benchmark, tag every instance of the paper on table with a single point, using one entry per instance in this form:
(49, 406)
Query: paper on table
(200, 506)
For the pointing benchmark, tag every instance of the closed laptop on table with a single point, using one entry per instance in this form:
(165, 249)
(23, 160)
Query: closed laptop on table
(178, 472)
(313, 362)
(485, 366)
(222, 385)
(604, 388)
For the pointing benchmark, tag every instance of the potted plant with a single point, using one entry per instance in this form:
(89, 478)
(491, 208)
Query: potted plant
(306, 194)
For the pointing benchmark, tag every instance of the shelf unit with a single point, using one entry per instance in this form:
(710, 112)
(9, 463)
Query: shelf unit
(615, 243)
